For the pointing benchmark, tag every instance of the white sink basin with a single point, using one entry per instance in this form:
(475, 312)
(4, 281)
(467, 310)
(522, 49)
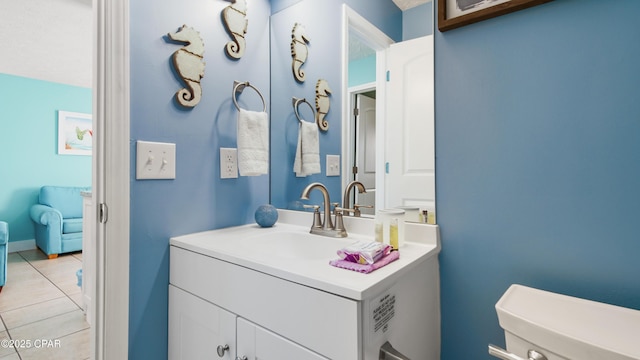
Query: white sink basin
(293, 245)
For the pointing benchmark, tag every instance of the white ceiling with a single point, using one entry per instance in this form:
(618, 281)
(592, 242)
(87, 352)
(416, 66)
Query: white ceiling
(408, 4)
(47, 40)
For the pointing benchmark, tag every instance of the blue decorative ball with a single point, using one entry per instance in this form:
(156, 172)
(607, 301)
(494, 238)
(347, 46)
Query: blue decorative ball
(266, 215)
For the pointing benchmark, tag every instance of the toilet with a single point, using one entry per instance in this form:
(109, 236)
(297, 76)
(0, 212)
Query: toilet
(557, 327)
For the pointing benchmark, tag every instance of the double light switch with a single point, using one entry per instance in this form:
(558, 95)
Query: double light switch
(155, 160)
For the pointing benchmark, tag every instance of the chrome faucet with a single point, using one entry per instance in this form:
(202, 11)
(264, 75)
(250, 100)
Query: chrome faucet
(325, 227)
(347, 195)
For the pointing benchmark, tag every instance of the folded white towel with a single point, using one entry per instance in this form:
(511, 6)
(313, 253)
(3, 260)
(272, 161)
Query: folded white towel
(307, 159)
(253, 143)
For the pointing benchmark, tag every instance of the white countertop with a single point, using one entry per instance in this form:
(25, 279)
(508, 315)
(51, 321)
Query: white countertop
(315, 271)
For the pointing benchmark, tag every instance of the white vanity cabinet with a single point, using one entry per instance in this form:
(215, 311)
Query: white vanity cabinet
(255, 342)
(197, 329)
(276, 306)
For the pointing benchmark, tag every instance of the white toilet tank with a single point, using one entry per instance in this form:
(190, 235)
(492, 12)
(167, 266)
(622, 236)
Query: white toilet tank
(565, 327)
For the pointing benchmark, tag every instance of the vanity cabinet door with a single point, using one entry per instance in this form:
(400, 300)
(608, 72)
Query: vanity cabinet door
(197, 328)
(255, 342)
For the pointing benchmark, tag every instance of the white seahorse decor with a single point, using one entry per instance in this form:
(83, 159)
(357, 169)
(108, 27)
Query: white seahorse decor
(189, 64)
(323, 103)
(235, 21)
(299, 51)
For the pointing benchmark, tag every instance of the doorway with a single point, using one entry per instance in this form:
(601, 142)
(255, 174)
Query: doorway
(362, 154)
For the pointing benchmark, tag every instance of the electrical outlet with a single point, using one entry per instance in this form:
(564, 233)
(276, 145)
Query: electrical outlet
(228, 163)
(333, 165)
(155, 160)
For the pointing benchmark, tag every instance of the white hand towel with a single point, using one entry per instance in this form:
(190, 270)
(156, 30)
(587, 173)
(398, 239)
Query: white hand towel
(253, 143)
(307, 159)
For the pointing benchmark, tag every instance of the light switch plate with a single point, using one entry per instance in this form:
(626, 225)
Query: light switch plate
(155, 160)
(333, 165)
(228, 163)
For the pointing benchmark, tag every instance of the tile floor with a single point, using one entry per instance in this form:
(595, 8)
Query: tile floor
(40, 308)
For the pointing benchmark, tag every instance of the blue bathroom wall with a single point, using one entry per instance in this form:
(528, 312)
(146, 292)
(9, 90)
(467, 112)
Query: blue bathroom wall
(277, 5)
(383, 13)
(362, 71)
(417, 21)
(323, 23)
(538, 162)
(29, 146)
(197, 199)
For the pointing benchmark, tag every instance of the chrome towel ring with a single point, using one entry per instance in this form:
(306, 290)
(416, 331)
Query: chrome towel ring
(296, 102)
(238, 87)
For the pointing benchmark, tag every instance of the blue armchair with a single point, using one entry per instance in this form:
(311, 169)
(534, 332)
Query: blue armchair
(4, 240)
(58, 219)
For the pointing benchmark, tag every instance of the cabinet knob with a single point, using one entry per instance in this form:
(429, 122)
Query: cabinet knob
(221, 349)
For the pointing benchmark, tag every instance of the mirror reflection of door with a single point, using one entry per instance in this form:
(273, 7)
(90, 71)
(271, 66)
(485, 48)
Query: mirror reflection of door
(362, 82)
(364, 167)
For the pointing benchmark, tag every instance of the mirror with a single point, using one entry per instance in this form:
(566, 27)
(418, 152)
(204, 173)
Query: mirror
(362, 38)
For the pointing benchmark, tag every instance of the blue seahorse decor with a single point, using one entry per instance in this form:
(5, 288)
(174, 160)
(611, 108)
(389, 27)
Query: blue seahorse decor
(189, 64)
(235, 21)
(299, 51)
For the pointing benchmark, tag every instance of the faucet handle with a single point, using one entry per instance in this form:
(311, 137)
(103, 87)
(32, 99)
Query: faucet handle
(339, 222)
(314, 207)
(357, 207)
(340, 210)
(335, 206)
(317, 221)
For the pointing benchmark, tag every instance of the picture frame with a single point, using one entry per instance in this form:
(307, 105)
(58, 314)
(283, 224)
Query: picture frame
(75, 133)
(453, 14)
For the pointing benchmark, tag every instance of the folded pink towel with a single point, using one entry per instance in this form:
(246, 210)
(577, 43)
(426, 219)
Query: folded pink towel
(366, 268)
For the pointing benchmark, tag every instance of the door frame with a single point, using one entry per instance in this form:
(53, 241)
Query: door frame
(111, 179)
(379, 42)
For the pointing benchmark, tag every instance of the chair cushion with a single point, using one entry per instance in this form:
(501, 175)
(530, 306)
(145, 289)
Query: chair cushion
(71, 242)
(71, 226)
(66, 199)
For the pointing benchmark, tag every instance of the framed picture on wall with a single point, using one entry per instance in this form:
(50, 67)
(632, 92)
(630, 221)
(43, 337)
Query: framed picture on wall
(75, 133)
(456, 13)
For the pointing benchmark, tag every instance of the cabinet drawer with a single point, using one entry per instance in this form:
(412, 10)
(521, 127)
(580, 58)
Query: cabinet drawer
(322, 322)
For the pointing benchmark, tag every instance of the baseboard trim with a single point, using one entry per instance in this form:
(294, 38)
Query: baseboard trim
(22, 245)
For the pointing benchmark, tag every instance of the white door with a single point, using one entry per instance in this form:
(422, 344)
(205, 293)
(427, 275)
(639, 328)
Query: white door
(409, 128)
(365, 167)
(255, 342)
(197, 328)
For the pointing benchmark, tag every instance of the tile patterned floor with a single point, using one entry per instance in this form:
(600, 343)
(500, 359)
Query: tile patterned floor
(40, 308)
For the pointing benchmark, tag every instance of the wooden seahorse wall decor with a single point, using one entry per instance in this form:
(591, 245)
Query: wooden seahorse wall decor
(189, 64)
(235, 21)
(323, 103)
(299, 51)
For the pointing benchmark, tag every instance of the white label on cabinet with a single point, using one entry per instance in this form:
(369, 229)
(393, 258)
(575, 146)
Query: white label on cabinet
(383, 309)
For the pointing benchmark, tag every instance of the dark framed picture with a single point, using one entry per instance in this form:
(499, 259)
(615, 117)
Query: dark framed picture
(456, 13)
